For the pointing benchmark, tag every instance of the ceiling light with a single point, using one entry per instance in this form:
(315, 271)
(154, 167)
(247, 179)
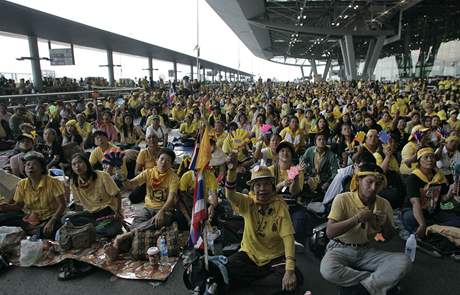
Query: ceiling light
(298, 17)
(304, 17)
(337, 24)
(356, 7)
(346, 16)
(350, 6)
(301, 24)
(333, 24)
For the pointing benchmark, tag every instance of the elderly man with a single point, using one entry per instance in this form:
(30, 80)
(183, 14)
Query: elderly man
(355, 218)
(266, 260)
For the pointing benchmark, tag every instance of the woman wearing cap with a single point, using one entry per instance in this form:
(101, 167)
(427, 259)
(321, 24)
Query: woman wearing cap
(160, 132)
(266, 258)
(161, 191)
(427, 189)
(41, 194)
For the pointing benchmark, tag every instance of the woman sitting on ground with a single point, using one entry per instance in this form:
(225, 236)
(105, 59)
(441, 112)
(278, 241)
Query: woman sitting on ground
(130, 135)
(266, 259)
(41, 194)
(97, 194)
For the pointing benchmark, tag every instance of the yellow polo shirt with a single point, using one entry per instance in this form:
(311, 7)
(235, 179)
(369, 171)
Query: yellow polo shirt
(188, 129)
(85, 130)
(187, 182)
(97, 156)
(394, 165)
(41, 200)
(283, 175)
(146, 159)
(99, 194)
(263, 233)
(347, 205)
(295, 138)
(178, 114)
(157, 194)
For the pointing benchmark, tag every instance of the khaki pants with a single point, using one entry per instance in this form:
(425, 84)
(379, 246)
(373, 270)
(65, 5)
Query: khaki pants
(376, 270)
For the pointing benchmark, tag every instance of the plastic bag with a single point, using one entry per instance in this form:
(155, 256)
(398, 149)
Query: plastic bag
(31, 252)
(10, 236)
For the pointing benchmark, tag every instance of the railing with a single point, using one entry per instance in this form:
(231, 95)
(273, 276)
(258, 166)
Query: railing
(31, 100)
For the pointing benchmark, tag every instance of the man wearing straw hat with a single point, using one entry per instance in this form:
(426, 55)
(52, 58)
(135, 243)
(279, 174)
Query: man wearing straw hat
(355, 218)
(266, 259)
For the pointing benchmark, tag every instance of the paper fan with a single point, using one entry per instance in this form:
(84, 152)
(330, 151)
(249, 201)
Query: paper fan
(240, 138)
(293, 172)
(384, 137)
(114, 159)
(360, 136)
(265, 128)
(442, 132)
(418, 135)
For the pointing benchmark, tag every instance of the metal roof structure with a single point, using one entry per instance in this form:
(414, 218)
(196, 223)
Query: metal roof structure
(18, 19)
(296, 32)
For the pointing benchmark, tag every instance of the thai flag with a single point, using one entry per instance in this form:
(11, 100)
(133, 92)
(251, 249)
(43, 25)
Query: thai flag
(171, 96)
(199, 208)
(200, 159)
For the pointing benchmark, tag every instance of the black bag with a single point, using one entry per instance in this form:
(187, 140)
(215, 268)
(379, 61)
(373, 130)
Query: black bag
(318, 241)
(439, 243)
(196, 276)
(77, 237)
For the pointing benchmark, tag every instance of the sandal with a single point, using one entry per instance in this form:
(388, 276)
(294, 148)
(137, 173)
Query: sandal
(70, 270)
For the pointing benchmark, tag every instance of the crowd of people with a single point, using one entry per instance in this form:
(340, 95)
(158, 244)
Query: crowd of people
(363, 149)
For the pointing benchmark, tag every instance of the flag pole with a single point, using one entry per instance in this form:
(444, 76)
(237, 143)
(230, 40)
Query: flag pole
(205, 241)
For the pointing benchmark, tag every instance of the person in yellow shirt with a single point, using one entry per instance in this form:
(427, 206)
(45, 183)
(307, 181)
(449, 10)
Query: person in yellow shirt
(409, 151)
(41, 194)
(219, 134)
(293, 134)
(134, 105)
(104, 147)
(267, 254)
(386, 122)
(188, 128)
(178, 112)
(98, 196)
(162, 184)
(186, 191)
(354, 220)
(84, 128)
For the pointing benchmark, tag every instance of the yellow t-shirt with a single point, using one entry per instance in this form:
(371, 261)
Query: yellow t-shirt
(188, 129)
(263, 233)
(347, 205)
(187, 182)
(146, 159)
(134, 102)
(283, 175)
(306, 125)
(295, 138)
(97, 156)
(178, 114)
(393, 166)
(99, 194)
(85, 130)
(385, 125)
(41, 200)
(157, 193)
(408, 151)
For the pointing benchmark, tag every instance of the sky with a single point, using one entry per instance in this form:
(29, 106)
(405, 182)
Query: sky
(167, 23)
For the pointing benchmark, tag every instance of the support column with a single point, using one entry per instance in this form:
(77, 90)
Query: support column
(175, 71)
(35, 63)
(370, 49)
(110, 67)
(204, 74)
(313, 67)
(225, 75)
(351, 56)
(150, 69)
(191, 72)
(326, 68)
(374, 57)
(344, 57)
(213, 72)
(301, 70)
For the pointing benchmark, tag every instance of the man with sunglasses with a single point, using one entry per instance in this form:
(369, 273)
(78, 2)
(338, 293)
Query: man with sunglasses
(355, 218)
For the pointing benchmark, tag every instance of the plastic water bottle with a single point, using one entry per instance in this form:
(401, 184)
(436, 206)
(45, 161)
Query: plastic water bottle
(210, 240)
(164, 259)
(411, 247)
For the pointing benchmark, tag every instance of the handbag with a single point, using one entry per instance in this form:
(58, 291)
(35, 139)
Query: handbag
(76, 237)
(142, 241)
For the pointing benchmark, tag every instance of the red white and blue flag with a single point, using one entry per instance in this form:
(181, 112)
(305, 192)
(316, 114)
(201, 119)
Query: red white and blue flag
(200, 159)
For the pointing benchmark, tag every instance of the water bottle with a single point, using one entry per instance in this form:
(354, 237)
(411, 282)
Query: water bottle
(411, 247)
(164, 260)
(210, 239)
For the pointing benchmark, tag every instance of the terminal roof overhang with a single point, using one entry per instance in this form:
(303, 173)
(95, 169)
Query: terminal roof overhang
(21, 20)
(296, 31)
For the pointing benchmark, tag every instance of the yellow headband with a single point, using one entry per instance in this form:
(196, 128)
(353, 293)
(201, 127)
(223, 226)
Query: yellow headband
(424, 151)
(354, 179)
